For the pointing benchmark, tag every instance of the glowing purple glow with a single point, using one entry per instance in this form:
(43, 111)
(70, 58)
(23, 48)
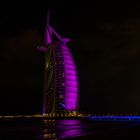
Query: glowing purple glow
(67, 56)
(71, 129)
(70, 67)
(48, 39)
(71, 80)
(70, 77)
(70, 95)
(71, 83)
(69, 72)
(72, 90)
(67, 59)
(65, 40)
(68, 62)
(42, 48)
(66, 78)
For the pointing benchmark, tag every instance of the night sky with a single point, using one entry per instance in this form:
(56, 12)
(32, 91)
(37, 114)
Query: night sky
(105, 43)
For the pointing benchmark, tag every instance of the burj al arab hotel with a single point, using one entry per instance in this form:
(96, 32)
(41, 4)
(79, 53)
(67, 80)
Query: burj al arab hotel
(61, 86)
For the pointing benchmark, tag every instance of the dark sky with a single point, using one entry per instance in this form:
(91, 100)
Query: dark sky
(105, 42)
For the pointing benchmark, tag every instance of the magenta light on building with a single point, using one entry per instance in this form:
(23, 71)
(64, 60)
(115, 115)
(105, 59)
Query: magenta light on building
(61, 85)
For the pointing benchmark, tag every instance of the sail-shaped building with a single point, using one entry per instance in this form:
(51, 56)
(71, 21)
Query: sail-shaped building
(61, 87)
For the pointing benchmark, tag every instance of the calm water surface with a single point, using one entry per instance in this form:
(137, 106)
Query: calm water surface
(43, 129)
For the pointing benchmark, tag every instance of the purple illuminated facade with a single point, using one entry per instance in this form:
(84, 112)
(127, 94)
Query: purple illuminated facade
(61, 81)
(71, 82)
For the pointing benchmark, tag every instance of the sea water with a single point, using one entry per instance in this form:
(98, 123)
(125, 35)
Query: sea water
(50, 129)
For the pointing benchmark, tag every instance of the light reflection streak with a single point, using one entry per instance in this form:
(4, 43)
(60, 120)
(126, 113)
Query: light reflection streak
(70, 129)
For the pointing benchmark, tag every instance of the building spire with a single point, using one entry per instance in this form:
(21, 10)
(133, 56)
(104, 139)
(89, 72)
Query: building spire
(48, 34)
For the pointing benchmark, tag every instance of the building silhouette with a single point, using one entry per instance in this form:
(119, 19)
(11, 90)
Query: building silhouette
(61, 85)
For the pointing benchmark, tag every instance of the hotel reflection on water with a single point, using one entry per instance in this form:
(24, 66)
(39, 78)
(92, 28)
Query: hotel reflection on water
(49, 130)
(61, 129)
